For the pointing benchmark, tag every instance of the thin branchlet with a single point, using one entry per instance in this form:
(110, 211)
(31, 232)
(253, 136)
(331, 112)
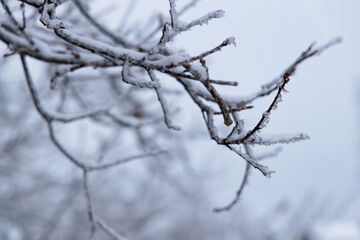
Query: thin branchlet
(238, 193)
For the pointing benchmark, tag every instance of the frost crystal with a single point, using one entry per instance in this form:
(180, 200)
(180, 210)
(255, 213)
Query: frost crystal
(230, 41)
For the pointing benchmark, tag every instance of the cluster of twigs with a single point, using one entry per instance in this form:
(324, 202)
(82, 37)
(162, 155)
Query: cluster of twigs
(60, 44)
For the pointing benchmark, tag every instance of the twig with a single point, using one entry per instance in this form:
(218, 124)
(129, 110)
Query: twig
(109, 230)
(13, 20)
(223, 82)
(126, 77)
(203, 20)
(34, 95)
(187, 7)
(58, 213)
(101, 28)
(90, 210)
(173, 14)
(224, 110)
(266, 115)
(125, 160)
(163, 102)
(238, 193)
(22, 8)
(262, 168)
(232, 110)
(126, 16)
(225, 43)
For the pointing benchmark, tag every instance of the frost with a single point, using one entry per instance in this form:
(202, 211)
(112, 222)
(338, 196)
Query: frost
(126, 75)
(101, 47)
(173, 13)
(172, 60)
(204, 19)
(230, 41)
(49, 22)
(199, 71)
(270, 139)
(262, 168)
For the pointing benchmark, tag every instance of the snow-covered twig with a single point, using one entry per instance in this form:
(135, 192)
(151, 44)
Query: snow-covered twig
(271, 139)
(262, 168)
(127, 78)
(201, 21)
(226, 42)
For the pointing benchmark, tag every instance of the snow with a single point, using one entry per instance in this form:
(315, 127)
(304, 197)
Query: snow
(270, 139)
(173, 59)
(47, 20)
(126, 74)
(199, 71)
(101, 47)
(203, 20)
(230, 41)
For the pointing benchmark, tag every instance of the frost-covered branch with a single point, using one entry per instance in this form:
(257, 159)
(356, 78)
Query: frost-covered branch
(67, 50)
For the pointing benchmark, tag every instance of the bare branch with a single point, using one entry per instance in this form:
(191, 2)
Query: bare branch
(225, 43)
(203, 20)
(173, 14)
(126, 77)
(34, 3)
(187, 7)
(33, 92)
(267, 139)
(125, 160)
(162, 101)
(13, 21)
(62, 149)
(220, 102)
(109, 230)
(263, 169)
(223, 82)
(90, 210)
(102, 29)
(126, 16)
(238, 193)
